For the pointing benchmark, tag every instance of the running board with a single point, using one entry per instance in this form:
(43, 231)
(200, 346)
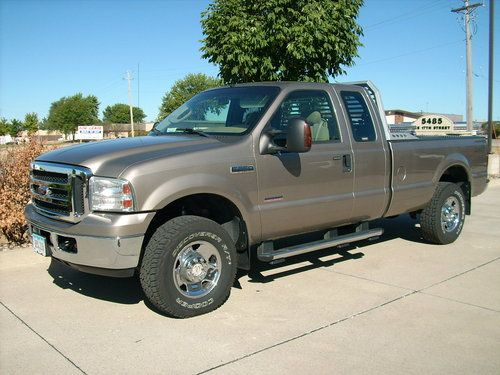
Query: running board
(266, 253)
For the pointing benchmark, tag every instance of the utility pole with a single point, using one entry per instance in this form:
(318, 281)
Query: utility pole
(129, 78)
(468, 46)
(490, 77)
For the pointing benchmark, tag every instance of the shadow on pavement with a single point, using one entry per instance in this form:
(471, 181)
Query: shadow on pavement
(399, 227)
(125, 291)
(128, 290)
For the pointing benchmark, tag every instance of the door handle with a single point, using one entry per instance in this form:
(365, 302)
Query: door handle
(337, 157)
(347, 163)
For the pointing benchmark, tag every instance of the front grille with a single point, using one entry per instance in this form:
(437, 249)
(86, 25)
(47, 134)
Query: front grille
(59, 190)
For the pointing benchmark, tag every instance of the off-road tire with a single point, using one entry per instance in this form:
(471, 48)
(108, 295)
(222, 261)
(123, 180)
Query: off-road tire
(156, 272)
(430, 219)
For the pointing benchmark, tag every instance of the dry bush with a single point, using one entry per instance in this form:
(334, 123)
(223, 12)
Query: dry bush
(14, 189)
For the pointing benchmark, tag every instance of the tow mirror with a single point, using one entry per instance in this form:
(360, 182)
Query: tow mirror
(299, 137)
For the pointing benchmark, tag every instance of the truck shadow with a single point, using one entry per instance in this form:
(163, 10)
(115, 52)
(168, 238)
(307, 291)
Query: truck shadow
(403, 227)
(128, 290)
(125, 291)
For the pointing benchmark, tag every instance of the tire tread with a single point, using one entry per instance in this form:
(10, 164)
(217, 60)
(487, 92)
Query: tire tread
(159, 243)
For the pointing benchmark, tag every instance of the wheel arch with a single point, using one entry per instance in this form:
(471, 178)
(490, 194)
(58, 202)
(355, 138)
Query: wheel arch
(457, 172)
(214, 206)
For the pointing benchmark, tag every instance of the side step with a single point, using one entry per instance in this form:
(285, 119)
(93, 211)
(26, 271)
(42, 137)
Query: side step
(266, 253)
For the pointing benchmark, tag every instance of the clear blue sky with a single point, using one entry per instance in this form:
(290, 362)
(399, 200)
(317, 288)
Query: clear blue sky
(414, 51)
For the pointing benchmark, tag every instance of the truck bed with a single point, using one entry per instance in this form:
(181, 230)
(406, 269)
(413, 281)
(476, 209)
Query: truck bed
(418, 163)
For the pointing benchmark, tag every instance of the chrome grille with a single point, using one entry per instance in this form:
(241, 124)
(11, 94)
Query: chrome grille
(59, 190)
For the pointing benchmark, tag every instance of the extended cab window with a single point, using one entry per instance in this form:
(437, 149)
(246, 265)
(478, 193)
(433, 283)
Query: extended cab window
(359, 116)
(313, 106)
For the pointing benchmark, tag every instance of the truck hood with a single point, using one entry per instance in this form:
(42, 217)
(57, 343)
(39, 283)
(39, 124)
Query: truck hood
(110, 158)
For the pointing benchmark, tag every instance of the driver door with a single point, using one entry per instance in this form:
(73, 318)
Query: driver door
(301, 192)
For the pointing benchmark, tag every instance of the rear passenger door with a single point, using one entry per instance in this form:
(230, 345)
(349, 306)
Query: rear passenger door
(300, 192)
(371, 162)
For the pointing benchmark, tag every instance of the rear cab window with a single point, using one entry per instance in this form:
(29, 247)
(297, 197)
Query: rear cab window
(359, 116)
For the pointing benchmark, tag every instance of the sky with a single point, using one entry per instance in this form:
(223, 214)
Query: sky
(414, 52)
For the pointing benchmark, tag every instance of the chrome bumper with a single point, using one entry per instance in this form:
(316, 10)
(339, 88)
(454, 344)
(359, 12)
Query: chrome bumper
(119, 250)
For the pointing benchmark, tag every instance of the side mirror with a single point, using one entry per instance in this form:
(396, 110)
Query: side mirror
(299, 136)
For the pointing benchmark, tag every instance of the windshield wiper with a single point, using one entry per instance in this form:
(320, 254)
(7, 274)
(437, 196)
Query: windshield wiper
(155, 131)
(192, 131)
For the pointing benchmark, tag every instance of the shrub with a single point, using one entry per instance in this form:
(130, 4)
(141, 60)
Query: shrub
(14, 189)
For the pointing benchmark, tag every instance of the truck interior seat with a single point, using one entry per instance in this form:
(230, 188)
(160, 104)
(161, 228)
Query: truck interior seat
(319, 127)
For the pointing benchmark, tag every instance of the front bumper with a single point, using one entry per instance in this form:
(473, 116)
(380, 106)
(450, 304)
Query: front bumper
(107, 241)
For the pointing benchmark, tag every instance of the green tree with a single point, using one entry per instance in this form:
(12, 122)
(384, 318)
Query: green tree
(31, 122)
(281, 40)
(15, 127)
(183, 90)
(120, 114)
(67, 113)
(4, 126)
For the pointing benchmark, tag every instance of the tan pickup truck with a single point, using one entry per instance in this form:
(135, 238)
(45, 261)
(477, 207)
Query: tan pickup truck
(224, 179)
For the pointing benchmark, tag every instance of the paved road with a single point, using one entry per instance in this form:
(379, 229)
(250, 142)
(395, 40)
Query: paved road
(394, 306)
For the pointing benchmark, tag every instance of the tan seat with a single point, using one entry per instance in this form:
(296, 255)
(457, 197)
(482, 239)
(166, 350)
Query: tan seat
(319, 127)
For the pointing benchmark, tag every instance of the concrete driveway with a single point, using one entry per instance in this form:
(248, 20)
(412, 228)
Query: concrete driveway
(393, 306)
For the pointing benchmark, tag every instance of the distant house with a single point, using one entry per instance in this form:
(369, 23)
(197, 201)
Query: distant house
(400, 116)
(124, 130)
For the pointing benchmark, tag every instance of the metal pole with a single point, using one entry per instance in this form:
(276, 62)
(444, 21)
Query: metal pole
(490, 77)
(467, 8)
(468, 47)
(129, 79)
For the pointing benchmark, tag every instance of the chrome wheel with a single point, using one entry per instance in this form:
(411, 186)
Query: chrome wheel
(197, 269)
(450, 214)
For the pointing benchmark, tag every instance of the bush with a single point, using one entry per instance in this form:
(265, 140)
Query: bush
(14, 189)
(496, 128)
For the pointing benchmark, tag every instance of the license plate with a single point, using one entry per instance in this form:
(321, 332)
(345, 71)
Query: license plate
(39, 244)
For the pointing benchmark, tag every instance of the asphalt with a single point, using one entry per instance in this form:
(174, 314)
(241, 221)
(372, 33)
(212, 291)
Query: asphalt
(393, 306)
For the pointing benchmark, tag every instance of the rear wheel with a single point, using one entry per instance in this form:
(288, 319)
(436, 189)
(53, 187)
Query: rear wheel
(188, 267)
(443, 218)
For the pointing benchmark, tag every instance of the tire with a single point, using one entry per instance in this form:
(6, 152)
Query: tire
(443, 218)
(189, 266)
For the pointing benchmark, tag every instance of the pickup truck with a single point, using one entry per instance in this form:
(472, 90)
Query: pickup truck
(235, 176)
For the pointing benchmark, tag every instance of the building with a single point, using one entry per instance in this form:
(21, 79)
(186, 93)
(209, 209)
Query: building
(400, 116)
(124, 130)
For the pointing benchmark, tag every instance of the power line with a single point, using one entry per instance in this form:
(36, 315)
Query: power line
(410, 53)
(428, 8)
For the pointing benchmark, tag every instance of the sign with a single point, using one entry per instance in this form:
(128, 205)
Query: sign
(433, 125)
(92, 132)
(430, 120)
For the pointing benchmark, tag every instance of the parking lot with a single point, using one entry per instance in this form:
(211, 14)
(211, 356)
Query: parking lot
(393, 306)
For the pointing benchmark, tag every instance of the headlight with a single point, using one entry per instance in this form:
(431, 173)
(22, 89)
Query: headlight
(111, 194)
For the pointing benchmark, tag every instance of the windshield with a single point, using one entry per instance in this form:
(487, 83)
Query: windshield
(225, 111)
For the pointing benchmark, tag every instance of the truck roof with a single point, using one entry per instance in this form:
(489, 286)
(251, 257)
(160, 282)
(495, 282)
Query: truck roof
(309, 85)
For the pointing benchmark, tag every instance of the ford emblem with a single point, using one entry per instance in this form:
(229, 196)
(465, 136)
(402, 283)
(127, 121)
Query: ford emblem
(43, 190)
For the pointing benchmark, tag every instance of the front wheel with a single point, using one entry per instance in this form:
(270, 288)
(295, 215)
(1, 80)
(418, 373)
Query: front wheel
(188, 267)
(443, 218)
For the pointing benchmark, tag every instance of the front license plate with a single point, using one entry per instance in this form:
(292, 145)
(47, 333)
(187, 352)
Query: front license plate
(39, 244)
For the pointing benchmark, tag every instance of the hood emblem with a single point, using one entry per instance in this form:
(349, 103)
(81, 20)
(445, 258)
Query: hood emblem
(43, 190)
